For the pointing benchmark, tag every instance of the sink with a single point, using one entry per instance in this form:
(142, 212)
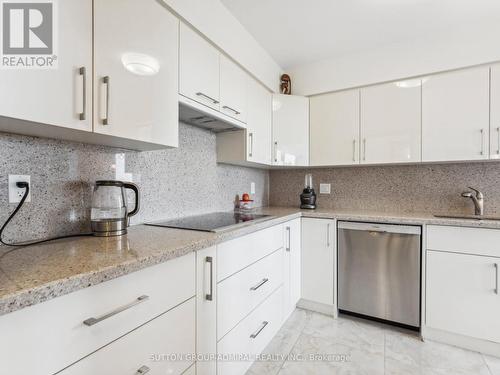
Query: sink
(469, 217)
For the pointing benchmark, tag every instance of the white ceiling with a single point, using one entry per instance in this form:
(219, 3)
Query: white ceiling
(297, 32)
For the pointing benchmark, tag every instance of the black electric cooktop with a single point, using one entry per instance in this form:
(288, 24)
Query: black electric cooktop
(214, 222)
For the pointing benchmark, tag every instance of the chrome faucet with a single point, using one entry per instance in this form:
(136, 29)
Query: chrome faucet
(477, 198)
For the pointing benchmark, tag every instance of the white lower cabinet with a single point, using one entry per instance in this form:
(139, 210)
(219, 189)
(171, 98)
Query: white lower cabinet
(251, 336)
(291, 266)
(147, 348)
(206, 310)
(319, 261)
(463, 294)
(77, 324)
(241, 293)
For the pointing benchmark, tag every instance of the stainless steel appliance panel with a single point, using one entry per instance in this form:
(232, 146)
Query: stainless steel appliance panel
(379, 271)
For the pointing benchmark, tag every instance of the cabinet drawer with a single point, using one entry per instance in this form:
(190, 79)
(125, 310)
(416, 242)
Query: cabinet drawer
(56, 326)
(234, 255)
(242, 292)
(252, 335)
(462, 294)
(478, 241)
(147, 347)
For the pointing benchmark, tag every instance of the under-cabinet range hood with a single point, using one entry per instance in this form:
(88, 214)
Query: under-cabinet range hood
(196, 114)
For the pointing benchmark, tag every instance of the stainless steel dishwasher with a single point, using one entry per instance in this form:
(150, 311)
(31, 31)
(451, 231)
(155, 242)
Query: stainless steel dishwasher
(379, 271)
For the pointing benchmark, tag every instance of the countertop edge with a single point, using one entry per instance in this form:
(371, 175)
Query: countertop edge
(53, 289)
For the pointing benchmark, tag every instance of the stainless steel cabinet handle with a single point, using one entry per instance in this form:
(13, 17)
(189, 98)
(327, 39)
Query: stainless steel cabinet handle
(250, 137)
(207, 97)
(496, 279)
(91, 321)
(288, 239)
(482, 142)
(231, 109)
(105, 81)
(210, 296)
(275, 151)
(256, 333)
(328, 235)
(259, 284)
(143, 370)
(83, 72)
(353, 150)
(364, 149)
(498, 141)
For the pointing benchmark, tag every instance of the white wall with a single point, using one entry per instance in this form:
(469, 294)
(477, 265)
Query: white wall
(212, 19)
(398, 61)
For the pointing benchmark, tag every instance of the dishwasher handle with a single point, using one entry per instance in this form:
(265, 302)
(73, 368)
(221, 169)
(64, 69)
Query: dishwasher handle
(383, 228)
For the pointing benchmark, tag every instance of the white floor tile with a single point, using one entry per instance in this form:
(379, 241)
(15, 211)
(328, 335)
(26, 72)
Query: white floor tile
(318, 344)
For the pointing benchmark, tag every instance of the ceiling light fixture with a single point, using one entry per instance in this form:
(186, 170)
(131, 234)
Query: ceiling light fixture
(411, 83)
(140, 64)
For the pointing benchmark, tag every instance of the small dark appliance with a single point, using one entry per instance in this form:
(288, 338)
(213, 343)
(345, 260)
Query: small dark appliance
(308, 196)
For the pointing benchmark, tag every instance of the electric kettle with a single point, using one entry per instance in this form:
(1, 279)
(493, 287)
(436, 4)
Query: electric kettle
(109, 215)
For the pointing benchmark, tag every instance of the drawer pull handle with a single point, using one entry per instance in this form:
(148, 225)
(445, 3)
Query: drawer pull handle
(231, 109)
(256, 333)
(210, 296)
(496, 279)
(143, 370)
(288, 239)
(259, 284)
(207, 97)
(83, 72)
(91, 321)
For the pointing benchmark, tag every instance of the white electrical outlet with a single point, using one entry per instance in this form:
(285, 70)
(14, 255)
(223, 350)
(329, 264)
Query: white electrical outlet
(252, 188)
(325, 188)
(15, 193)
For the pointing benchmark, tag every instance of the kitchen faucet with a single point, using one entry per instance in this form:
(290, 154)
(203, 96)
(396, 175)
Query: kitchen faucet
(477, 198)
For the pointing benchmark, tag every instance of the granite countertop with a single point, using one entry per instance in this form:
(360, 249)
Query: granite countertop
(35, 274)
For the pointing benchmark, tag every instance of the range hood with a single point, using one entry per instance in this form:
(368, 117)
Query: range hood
(196, 114)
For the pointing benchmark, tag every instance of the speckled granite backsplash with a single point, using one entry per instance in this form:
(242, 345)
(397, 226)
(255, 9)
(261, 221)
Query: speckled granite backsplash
(173, 183)
(406, 189)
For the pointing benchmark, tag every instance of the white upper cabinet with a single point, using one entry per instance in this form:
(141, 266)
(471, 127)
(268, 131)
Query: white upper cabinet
(290, 130)
(259, 123)
(335, 128)
(136, 66)
(391, 123)
(495, 113)
(199, 68)
(233, 93)
(455, 115)
(60, 96)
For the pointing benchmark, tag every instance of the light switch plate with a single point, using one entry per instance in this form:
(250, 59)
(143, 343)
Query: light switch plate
(252, 188)
(325, 188)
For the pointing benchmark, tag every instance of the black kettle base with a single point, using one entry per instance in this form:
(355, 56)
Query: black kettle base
(308, 206)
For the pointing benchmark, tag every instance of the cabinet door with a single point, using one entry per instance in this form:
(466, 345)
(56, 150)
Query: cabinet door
(455, 116)
(198, 68)
(318, 260)
(136, 71)
(206, 312)
(292, 266)
(391, 123)
(233, 89)
(290, 130)
(495, 113)
(463, 295)
(259, 123)
(61, 96)
(335, 129)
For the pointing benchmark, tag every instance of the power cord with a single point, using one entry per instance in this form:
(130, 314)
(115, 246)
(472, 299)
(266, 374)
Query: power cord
(26, 186)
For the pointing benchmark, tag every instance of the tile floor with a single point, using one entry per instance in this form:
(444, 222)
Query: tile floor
(358, 347)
